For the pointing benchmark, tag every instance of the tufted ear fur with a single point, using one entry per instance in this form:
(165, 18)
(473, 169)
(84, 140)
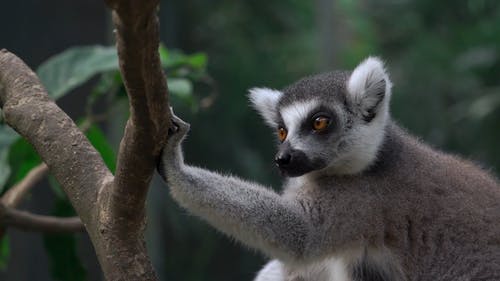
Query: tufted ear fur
(265, 100)
(369, 88)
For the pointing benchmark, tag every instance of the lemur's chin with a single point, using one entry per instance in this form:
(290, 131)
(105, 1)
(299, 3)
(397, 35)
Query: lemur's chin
(301, 169)
(292, 174)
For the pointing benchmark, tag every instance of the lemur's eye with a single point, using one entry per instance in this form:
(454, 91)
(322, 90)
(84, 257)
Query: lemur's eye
(282, 133)
(320, 123)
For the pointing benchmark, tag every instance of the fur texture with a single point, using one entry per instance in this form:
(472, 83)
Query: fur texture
(265, 98)
(380, 205)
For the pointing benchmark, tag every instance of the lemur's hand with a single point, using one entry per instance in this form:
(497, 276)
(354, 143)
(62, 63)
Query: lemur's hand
(171, 157)
(176, 133)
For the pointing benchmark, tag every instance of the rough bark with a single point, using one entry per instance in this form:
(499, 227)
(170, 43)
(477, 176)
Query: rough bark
(72, 160)
(137, 41)
(112, 208)
(122, 212)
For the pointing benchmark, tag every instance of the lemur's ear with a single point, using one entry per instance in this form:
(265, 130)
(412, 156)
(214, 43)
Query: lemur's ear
(369, 88)
(265, 100)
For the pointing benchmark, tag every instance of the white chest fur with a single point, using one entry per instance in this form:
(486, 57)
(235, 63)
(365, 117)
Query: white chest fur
(332, 269)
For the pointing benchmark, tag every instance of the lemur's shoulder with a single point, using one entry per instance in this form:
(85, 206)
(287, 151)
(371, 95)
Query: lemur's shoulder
(405, 154)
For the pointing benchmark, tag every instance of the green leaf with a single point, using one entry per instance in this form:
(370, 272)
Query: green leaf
(99, 141)
(22, 158)
(198, 60)
(4, 252)
(176, 59)
(61, 249)
(484, 106)
(7, 137)
(4, 168)
(107, 85)
(163, 53)
(56, 187)
(73, 67)
(180, 87)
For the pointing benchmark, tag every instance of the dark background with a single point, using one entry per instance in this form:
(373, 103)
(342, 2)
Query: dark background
(444, 58)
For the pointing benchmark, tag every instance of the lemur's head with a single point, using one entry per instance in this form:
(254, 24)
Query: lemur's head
(333, 121)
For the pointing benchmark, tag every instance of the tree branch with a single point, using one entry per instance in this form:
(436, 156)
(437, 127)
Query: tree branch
(137, 40)
(15, 194)
(73, 161)
(112, 209)
(122, 204)
(31, 222)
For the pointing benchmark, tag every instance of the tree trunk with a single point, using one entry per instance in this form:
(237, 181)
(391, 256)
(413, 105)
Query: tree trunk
(111, 208)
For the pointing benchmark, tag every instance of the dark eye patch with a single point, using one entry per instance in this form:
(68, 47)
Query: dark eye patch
(306, 126)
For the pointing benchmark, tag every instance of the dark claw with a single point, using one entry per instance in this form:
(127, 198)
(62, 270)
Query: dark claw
(174, 128)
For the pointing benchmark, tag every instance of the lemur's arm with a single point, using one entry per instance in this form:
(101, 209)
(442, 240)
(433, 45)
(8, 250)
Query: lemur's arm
(251, 213)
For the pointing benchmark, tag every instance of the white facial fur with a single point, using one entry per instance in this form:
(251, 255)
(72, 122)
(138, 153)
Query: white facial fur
(368, 95)
(264, 100)
(363, 88)
(293, 115)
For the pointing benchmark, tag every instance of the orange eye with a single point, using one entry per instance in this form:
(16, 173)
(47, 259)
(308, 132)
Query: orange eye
(321, 123)
(282, 134)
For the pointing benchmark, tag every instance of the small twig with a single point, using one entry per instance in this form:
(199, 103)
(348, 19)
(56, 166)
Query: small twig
(15, 194)
(30, 222)
(209, 100)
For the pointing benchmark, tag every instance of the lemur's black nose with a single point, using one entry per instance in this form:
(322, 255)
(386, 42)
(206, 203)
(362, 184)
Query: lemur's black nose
(283, 158)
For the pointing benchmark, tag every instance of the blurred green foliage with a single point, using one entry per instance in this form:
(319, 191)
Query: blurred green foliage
(7, 137)
(4, 252)
(61, 248)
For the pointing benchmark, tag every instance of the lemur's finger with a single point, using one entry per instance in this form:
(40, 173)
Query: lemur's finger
(182, 126)
(177, 123)
(173, 129)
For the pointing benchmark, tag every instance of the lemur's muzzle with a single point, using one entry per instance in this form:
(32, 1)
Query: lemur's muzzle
(293, 162)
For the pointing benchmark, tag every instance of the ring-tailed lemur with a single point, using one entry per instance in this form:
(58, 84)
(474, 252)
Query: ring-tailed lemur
(364, 200)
